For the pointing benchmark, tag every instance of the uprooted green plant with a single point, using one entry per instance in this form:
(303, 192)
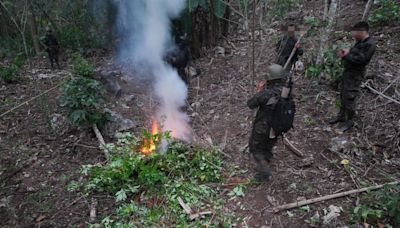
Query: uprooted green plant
(81, 66)
(331, 66)
(83, 97)
(147, 187)
(381, 206)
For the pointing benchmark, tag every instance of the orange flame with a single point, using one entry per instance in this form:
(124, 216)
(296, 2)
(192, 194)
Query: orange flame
(149, 146)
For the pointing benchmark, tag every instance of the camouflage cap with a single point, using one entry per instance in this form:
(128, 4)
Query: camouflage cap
(275, 71)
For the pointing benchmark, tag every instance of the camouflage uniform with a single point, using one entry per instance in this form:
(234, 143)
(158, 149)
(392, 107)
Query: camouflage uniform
(354, 72)
(52, 49)
(260, 144)
(284, 49)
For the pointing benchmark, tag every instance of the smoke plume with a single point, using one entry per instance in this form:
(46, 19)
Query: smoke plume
(145, 28)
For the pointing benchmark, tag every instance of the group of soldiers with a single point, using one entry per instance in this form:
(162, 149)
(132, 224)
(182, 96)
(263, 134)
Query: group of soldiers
(269, 90)
(355, 61)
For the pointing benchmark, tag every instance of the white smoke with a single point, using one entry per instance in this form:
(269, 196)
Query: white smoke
(146, 29)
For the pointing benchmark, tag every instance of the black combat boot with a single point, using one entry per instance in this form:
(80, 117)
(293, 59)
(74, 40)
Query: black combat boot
(263, 172)
(347, 126)
(263, 176)
(341, 117)
(349, 123)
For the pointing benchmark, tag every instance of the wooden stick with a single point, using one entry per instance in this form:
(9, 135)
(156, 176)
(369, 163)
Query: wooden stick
(92, 213)
(328, 197)
(195, 216)
(185, 207)
(33, 98)
(367, 10)
(292, 54)
(292, 147)
(380, 94)
(98, 135)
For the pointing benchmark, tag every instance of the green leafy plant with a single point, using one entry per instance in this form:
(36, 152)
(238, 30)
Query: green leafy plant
(380, 206)
(83, 97)
(81, 66)
(312, 21)
(332, 65)
(9, 74)
(314, 71)
(388, 12)
(147, 184)
(280, 8)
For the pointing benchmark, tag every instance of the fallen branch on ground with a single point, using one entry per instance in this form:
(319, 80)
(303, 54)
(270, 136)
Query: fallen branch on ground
(189, 211)
(292, 147)
(366, 84)
(99, 138)
(32, 99)
(328, 197)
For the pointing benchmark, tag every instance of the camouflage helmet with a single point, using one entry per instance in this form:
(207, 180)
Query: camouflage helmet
(274, 71)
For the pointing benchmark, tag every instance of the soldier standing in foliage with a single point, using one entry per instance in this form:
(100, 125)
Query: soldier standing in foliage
(52, 48)
(355, 61)
(261, 143)
(285, 46)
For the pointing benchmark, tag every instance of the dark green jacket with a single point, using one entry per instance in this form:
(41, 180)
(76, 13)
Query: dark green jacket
(262, 100)
(360, 55)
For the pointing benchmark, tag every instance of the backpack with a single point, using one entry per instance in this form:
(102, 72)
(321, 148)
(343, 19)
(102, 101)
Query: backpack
(282, 115)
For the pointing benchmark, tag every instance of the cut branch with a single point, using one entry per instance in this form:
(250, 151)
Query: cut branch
(30, 100)
(329, 197)
(367, 10)
(98, 135)
(366, 84)
(292, 147)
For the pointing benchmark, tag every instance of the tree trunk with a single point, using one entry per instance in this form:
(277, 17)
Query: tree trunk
(367, 10)
(253, 59)
(326, 7)
(33, 27)
(327, 31)
(226, 23)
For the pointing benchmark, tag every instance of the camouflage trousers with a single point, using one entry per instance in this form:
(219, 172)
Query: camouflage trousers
(260, 145)
(53, 56)
(350, 90)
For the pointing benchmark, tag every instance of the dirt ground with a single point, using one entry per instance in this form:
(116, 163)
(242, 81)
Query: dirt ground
(38, 160)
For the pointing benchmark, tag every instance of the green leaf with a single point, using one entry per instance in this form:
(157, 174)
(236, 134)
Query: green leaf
(121, 195)
(290, 214)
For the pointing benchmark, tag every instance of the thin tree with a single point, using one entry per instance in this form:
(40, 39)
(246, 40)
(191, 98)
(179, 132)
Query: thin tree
(20, 28)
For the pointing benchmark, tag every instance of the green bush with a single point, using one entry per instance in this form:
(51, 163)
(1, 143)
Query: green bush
(77, 39)
(9, 74)
(381, 206)
(81, 66)
(332, 65)
(83, 97)
(184, 172)
(388, 12)
(280, 8)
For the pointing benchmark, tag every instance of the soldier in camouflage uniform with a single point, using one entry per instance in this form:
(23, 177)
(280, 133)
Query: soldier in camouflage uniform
(52, 48)
(355, 61)
(261, 143)
(285, 46)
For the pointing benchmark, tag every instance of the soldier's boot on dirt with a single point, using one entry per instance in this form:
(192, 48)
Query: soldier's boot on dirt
(341, 117)
(349, 123)
(262, 167)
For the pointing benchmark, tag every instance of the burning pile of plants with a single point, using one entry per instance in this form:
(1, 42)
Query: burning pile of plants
(171, 188)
